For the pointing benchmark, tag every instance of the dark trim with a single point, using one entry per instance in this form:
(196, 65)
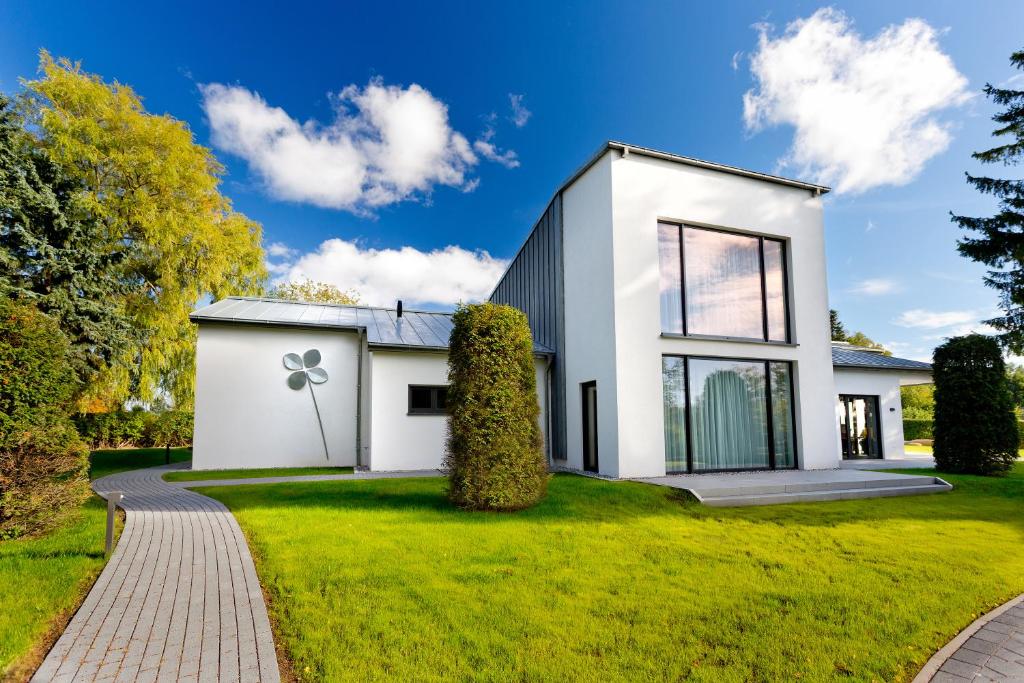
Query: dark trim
(585, 414)
(770, 435)
(785, 290)
(738, 340)
(890, 368)
(434, 408)
(764, 287)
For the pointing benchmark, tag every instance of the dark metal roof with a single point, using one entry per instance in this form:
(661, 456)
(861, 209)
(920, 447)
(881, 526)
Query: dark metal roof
(851, 357)
(414, 330)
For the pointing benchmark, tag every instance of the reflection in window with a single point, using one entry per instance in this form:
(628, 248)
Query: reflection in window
(670, 281)
(723, 284)
(735, 285)
(783, 430)
(673, 377)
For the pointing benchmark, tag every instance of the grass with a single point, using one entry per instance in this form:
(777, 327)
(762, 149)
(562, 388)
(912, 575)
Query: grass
(106, 462)
(42, 582)
(382, 579)
(257, 473)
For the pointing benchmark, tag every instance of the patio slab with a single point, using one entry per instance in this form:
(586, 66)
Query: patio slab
(794, 486)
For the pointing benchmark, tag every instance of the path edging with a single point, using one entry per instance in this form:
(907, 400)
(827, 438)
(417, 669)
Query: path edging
(933, 665)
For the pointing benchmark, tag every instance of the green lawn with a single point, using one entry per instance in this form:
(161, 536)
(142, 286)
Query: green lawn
(123, 459)
(258, 473)
(42, 582)
(382, 579)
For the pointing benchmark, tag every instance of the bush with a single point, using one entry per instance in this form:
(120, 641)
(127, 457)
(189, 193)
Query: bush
(494, 456)
(136, 428)
(975, 425)
(917, 429)
(43, 463)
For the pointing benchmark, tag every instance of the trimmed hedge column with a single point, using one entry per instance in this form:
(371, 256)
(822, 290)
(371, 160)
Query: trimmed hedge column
(975, 427)
(494, 455)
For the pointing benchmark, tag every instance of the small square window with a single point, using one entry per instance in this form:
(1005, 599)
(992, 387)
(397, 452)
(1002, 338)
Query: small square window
(427, 400)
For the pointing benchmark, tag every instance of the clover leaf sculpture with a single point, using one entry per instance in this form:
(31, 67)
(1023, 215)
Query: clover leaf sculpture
(306, 371)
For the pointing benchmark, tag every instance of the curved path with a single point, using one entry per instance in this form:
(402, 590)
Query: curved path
(178, 601)
(990, 649)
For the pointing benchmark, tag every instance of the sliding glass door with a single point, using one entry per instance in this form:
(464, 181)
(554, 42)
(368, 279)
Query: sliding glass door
(727, 414)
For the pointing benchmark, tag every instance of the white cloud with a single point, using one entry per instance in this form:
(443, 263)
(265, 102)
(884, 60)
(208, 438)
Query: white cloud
(520, 114)
(736, 58)
(488, 150)
(936, 319)
(870, 226)
(386, 144)
(874, 287)
(863, 110)
(279, 249)
(382, 276)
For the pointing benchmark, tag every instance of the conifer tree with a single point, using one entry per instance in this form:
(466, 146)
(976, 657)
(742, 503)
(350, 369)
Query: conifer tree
(998, 240)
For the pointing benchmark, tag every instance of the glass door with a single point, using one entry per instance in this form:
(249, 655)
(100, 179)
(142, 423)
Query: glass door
(859, 427)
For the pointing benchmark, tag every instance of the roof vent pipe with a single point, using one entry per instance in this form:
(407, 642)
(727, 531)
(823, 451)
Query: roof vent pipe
(399, 308)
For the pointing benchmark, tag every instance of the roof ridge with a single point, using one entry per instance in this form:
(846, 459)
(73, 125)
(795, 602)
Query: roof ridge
(295, 302)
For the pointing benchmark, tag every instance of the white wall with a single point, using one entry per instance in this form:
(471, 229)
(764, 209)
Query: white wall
(400, 441)
(886, 385)
(644, 191)
(590, 341)
(246, 415)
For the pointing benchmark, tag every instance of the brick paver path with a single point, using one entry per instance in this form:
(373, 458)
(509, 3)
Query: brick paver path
(178, 601)
(992, 651)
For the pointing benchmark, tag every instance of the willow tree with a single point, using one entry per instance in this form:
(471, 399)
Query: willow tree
(156, 194)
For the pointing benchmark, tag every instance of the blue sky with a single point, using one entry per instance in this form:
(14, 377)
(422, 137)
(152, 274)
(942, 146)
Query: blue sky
(666, 75)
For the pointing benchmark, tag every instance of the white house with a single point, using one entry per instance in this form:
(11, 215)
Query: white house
(680, 316)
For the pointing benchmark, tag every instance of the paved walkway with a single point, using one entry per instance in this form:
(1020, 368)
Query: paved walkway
(990, 649)
(178, 601)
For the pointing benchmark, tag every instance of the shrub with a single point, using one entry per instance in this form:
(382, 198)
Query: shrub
(917, 429)
(975, 426)
(43, 463)
(170, 428)
(494, 456)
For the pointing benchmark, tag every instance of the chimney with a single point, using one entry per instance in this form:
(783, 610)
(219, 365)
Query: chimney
(399, 308)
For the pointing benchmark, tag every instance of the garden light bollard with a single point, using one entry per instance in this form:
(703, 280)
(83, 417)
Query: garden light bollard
(113, 499)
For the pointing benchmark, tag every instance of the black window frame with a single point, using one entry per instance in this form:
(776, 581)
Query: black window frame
(784, 248)
(770, 423)
(435, 403)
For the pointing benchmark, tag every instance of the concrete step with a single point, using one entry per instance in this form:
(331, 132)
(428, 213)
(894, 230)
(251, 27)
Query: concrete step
(767, 487)
(925, 485)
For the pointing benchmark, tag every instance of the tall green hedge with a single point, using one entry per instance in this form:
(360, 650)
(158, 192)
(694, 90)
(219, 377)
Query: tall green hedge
(43, 463)
(494, 452)
(917, 429)
(136, 428)
(975, 425)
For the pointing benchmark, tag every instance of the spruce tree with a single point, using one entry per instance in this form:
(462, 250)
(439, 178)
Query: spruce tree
(998, 240)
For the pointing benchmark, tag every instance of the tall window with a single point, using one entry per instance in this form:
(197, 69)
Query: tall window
(726, 414)
(722, 284)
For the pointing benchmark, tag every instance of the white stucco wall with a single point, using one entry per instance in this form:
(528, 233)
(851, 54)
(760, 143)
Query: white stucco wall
(399, 441)
(621, 345)
(590, 338)
(886, 386)
(246, 415)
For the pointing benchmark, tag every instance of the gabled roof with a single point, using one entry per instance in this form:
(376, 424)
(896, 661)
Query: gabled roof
(415, 329)
(846, 356)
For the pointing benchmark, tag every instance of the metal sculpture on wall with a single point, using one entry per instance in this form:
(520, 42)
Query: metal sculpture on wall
(306, 372)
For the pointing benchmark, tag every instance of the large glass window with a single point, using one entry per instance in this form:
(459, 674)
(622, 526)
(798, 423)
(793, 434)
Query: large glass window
(721, 284)
(727, 414)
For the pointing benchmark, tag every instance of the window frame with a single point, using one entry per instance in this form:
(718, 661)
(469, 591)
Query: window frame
(435, 390)
(769, 421)
(783, 243)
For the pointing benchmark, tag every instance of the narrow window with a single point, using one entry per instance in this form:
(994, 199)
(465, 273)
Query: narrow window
(670, 278)
(673, 378)
(427, 400)
(775, 290)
